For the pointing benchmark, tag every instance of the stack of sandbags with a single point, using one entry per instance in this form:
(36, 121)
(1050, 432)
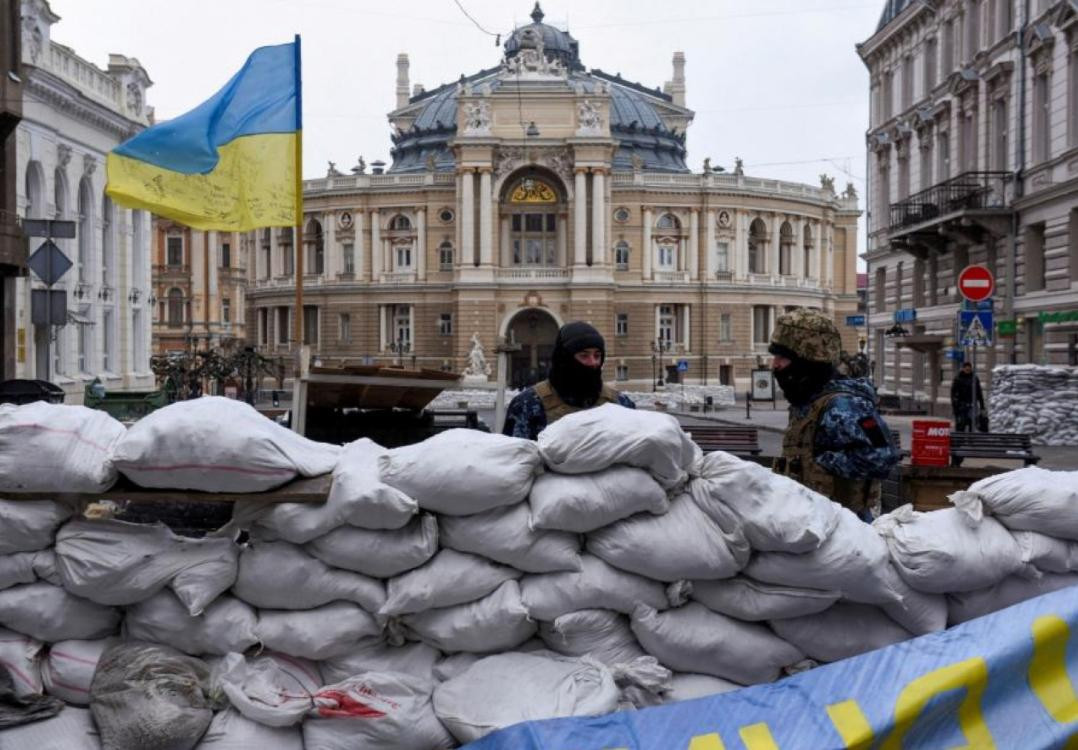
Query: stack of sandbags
(1036, 400)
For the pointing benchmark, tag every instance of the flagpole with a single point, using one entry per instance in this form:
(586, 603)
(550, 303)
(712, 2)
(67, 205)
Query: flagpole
(297, 245)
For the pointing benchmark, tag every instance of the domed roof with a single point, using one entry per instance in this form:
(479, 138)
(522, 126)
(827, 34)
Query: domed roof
(556, 43)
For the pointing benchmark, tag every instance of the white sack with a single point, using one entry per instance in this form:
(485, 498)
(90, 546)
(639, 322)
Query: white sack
(342, 718)
(776, 513)
(917, 611)
(461, 471)
(1046, 553)
(226, 625)
(376, 655)
(279, 575)
(641, 682)
(455, 664)
(505, 535)
(273, 689)
(968, 605)
(217, 444)
(20, 655)
(680, 544)
(71, 729)
(69, 667)
(231, 730)
(595, 439)
(844, 630)
(693, 637)
(506, 689)
(118, 563)
(498, 622)
(25, 567)
(596, 585)
(320, 633)
(30, 525)
(754, 601)
(1030, 499)
(379, 554)
(49, 613)
(599, 633)
(56, 448)
(450, 578)
(686, 686)
(945, 550)
(586, 502)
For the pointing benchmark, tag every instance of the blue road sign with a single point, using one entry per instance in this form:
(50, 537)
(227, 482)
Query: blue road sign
(984, 304)
(907, 315)
(975, 327)
(855, 320)
(683, 365)
(49, 262)
(956, 354)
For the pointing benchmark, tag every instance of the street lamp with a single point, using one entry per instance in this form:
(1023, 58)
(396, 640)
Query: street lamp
(659, 346)
(400, 347)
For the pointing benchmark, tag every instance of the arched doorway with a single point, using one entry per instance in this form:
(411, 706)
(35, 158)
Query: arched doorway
(535, 331)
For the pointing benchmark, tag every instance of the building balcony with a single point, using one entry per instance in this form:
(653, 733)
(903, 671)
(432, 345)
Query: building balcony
(972, 204)
(532, 275)
(671, 277)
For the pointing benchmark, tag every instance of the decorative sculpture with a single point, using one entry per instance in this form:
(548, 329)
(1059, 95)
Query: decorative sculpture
(588, 120)
(739, 166)
(332, 171)
(360, 167)
(478, 118)
(851, 191)
(478, 368)
(827, 183)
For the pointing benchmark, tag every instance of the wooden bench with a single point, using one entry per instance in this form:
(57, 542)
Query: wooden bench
(991, 445)
(741, 441)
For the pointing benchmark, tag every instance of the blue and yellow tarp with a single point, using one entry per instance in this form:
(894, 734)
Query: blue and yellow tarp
(231, 163)
(1004, 681)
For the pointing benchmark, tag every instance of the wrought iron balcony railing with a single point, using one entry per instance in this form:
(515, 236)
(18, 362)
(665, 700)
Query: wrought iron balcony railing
(967, 191)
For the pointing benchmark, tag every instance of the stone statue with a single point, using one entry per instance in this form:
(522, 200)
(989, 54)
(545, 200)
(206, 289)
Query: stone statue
(332, 171)
(827, 183)
(478, 118)
(588, 120)
(638, 162)
(707, 165)
(360, 167)
(851, 191)
(739, 166)
(478, 368)
(430, 163)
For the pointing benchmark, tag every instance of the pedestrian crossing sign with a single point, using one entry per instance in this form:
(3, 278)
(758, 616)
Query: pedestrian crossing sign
(975, 327)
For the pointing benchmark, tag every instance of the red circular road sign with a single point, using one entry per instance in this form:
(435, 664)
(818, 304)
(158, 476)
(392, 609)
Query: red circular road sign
(976, 283)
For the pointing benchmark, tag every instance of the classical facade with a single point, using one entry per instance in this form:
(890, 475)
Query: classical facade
(973, 159)
(73, 114)
(537, 192)
(199, 285)
(12, 246)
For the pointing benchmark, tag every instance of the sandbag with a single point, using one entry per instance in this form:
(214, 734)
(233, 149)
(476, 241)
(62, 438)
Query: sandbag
(844, 630)
(56, 448)
(217, 444)
(586, 502)
(20, 655)
(1029, 499)
(375, 711)
(449, 578)
(455, 664)
(279, 575)
(226, 625)
(150, 696)
(641, 682)
(505, 535)
(30, 525)
(775, 513)
(376, 655)
(461, 471)
(320, 633)
(1047, 553)
(497, 622)
(599, 633)
(595, 439)
(680, 544)
(49, 613)
(379, 554)
(754, 601)
(967, 605)
(946, 551)
(919, 612)
(596, 585)
(685, 686)
(71, 729)
(693, 637)
(273, 689)
(68, 669)
(506, 689)
(231, 730)
(25, 567)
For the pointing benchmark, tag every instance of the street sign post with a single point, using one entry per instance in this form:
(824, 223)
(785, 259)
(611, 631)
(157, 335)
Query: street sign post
(683, 365)
(976, 283)
(975, 327)
(50, 264)
(855, 321)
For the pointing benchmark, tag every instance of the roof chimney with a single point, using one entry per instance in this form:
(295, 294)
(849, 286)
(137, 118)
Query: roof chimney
(402, 80)
(676, 87)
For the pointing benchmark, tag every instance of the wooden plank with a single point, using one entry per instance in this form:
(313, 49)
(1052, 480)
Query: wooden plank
(302, 490)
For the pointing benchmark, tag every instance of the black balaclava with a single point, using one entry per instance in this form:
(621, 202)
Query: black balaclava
(577, 385)
(802, 378)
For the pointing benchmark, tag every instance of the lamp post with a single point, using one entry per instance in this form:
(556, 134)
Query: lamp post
(400, 347)
(660, 346)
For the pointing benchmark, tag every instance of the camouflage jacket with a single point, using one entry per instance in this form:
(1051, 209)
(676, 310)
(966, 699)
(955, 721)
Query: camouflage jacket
(525, 417)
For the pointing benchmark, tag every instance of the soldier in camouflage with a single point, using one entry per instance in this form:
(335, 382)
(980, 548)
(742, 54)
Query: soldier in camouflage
(836, 442)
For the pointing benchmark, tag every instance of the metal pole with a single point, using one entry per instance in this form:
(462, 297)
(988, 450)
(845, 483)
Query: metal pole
(48, 309)
(973, 389)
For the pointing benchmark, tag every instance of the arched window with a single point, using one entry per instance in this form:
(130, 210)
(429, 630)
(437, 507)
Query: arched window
(401, 243)
(175, 308)
(108, 232)
(806, 242)
(786, 248)
(400, 222)
(35, 191)
(445, 256)
(315, 241)
(621, 256)
(757, 247)
(668, 221)
(667, 240)
(86, 225)
(533, 223)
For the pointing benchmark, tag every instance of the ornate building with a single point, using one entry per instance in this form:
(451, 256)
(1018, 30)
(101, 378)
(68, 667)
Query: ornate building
(73, 114)
(12, 246)
(537, 192)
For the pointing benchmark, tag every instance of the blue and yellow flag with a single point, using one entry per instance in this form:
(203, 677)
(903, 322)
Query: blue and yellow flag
(230, 164)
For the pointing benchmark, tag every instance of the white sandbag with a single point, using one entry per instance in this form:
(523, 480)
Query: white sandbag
(754, 601)
(279, 575)
(20, 655)
(595, 439)
(49, 613)
(455, 664)
(118, 563)
(30, 525)
(918, 612)
(599, 633)
(375, 711)
(968, 605)
(376, 655)
(693, 637)
(217, 444)
(319, 633)
(461, 471)
(775, 513)
(231, 730)
(226, 625)
(379, 554)
(596, 585)
(1046, 553)
(945, 550)
(1029, 499)
(679, 544)
(506, 689)
(686, 686)
(68, 669)
(449, 578)
(641, 682)
(56, 448)
(853, 560)
(505, 535)
(844, 630)
(498, 622)
(22, 567)
(71, 729)
(273, 689)
(585, 502)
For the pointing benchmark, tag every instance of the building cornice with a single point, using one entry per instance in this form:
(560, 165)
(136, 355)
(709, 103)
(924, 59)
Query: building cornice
(62, 96)
(895, 28)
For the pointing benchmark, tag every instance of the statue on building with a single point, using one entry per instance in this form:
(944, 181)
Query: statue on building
(431, 163)
(707, 165)
(360, 167)
(638, 162)
(333, 171)
(478, 368)
(739, 166)
(478, 118)
(588, 119)
(850, 192)
(827, 183)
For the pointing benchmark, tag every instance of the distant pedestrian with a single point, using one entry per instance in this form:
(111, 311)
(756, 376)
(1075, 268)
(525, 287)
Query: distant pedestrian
(962, 398)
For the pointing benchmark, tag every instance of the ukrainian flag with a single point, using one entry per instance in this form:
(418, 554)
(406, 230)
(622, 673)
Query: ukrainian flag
(230, 164)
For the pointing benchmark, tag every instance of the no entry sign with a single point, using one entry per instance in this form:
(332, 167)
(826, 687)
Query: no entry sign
(975, 283)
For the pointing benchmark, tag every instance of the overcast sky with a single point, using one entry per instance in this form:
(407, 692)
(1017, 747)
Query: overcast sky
(776, 82)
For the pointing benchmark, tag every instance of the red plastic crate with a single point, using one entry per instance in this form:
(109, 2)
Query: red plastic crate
(931, 443)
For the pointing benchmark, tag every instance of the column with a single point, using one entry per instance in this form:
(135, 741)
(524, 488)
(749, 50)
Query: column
(694, 244)
(743, 224)
(359, 245)
(421, 244)
(580, 218)
(563, 224)
(382, 326)
(332, 263)
(686, 313)
(598, 218)
(709, 246)
(505, 244)
(828, 257)
(376, 246)
(467, 218)
(214, 242)
(645, 248)
(817, 252)
(773, 250)
(486, 226)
